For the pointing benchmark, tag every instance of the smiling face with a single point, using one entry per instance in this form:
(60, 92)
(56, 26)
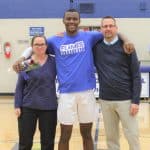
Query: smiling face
(71, 21)
(109, 28)
(39, 45)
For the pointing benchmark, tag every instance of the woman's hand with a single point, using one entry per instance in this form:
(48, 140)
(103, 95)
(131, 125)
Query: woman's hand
(18, 112)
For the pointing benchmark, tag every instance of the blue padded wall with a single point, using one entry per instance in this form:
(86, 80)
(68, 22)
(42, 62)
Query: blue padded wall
(56, 8)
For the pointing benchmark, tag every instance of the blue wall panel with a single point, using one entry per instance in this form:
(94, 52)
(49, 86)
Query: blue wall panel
(122, 8)
(56, 8)
(32, 8)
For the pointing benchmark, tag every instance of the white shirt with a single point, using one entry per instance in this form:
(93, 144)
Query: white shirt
(112, 42)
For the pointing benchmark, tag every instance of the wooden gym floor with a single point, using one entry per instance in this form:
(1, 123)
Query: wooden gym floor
(9, 134)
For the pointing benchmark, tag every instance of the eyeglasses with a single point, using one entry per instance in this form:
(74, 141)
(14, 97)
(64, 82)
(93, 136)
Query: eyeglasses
(108, 26)
(39, 45)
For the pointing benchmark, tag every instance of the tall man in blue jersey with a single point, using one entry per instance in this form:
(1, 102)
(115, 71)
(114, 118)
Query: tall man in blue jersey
(120, 86)
(76, 77)
(75, 72)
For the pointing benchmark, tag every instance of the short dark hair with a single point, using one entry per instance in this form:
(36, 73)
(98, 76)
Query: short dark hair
(71, 10)
(34, 37)
(108, 17)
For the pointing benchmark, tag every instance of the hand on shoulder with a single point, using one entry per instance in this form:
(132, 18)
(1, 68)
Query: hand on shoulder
(17, 67)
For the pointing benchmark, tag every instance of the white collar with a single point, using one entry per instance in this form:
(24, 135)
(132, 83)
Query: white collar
(112, 42)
